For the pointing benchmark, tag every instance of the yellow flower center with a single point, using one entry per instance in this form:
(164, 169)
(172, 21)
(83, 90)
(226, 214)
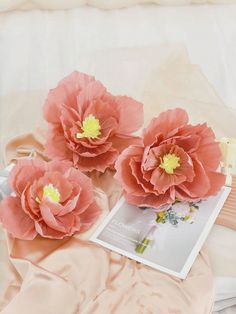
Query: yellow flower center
(52, 193)
(169, 163)
(91, 128)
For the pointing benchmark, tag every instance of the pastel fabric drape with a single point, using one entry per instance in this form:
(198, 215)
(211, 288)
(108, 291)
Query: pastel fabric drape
(74, 275)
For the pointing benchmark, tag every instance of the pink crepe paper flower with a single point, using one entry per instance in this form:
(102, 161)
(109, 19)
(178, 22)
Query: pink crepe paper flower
(51, 199)
(88, 125)
(176, 161)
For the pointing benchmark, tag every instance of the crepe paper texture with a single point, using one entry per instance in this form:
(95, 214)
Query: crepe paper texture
(51, 199)
(87, 125)
(176, 161)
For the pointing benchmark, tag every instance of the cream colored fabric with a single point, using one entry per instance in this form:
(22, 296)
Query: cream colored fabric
(6, 5)
(75, 276)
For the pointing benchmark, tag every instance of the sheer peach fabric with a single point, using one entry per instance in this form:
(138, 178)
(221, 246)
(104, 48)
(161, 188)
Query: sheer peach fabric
(76, 276)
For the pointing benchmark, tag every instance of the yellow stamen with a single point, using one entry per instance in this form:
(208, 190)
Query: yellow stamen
(169, 163)
(91, 128)
(52, 193)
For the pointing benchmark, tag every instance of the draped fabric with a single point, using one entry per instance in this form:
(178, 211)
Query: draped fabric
(76, 276)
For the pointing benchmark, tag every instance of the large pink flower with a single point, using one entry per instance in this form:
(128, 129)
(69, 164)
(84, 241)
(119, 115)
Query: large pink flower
(176, 161)
(88, 125)
(51, 199)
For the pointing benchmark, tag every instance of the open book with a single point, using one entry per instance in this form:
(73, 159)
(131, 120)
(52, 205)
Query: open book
(168, 241)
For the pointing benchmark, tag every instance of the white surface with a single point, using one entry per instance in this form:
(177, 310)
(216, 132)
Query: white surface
(105, 4)
(39, 48)
(221, 245)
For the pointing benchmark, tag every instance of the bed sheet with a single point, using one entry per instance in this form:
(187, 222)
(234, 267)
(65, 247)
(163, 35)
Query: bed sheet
(38, 48)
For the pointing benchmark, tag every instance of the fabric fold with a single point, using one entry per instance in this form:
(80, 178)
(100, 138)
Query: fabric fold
(73, 275)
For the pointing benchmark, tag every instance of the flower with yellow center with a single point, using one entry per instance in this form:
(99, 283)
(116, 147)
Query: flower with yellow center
(91, 128)
(169, 163)
(51, 193)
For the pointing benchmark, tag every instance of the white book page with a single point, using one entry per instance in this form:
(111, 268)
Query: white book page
(175, 247)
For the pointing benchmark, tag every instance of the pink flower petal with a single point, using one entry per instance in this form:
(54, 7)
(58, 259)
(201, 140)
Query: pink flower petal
(24, 173)
(200, 185)
(135, 166)
(94, 151)
(52, 107)
(120, 142)
(188, 143)
(102, 110)
(217, 180)
(149, 200)
(91, 92)
(29, 203)
(65, 94)
(47, 232)
(209, 155)
(58, 223)
(70, 120)
(166, 124)
(162, 181)
(15, 220)
(99, 163)
(58, 166)
(130, 114)
(69, 206)
(59, 182)
(124, 171)
(88, 217)
(86, 195)
(56, 145)
(75, 82)
(150, 160)
(185, 196)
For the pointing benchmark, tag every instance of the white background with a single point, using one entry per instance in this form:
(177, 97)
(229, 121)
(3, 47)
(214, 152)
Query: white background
(38, 48)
